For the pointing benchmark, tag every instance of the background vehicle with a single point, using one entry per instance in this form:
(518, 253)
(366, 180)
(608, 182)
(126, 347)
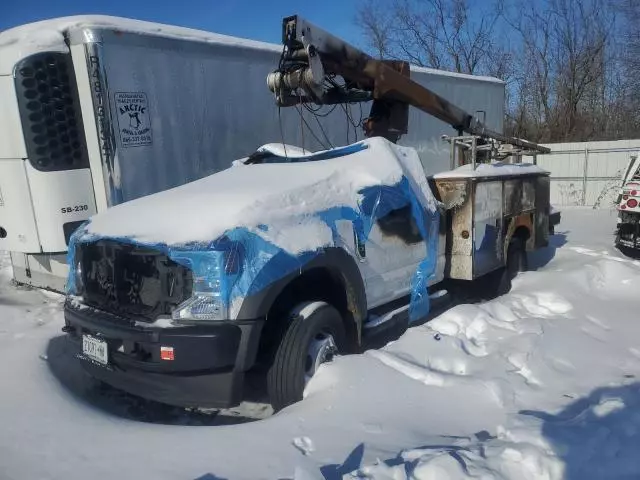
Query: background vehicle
(96, 111)
(628, 228)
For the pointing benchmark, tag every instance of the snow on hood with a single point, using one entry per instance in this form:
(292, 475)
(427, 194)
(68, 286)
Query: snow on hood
(49, 35)
(252, 196)
(493, 169)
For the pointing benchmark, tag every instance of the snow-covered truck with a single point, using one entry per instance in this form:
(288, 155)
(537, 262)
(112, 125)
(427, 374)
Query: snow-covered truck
(288, 258)
(96, 111)
(628, 225)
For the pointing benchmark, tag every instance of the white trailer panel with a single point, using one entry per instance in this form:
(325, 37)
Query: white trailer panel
(152, 107)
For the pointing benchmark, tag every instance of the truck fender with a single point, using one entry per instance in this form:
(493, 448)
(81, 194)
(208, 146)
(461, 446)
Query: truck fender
(335, 260)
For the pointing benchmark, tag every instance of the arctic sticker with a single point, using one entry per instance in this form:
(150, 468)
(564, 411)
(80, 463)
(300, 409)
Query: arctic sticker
(134, 121)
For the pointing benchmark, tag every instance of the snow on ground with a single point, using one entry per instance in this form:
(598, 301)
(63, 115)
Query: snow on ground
(540, 383)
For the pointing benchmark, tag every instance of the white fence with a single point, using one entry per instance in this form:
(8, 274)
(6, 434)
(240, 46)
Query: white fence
(587, 173)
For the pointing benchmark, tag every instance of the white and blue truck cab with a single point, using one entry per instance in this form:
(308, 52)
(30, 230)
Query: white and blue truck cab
(280, 262)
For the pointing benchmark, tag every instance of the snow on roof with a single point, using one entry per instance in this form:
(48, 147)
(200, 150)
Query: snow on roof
(250, 196)
(48, 35)
(444, 73)
(494, 169)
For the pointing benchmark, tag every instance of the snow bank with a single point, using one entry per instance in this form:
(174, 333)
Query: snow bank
(49, 35)
(541, 383)
(493, 169)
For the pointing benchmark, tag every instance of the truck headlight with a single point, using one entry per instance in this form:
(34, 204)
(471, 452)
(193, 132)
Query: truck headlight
(79, 278)
(214, 273)
(201, 306)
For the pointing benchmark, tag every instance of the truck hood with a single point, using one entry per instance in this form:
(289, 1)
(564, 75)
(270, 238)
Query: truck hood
(264, 198)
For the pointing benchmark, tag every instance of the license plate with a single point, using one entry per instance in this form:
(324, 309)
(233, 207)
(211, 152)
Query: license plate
(95, 349)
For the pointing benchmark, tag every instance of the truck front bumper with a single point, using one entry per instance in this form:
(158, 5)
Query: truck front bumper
(628, 230)
(207, 366)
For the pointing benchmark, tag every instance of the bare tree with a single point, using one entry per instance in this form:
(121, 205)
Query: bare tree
(377, 27)
(571, 67)
(630, 59)
(630, 10)
(443, 34)
(565, 57)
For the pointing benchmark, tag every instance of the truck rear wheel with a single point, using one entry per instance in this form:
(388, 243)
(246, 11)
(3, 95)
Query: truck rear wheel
(498, 283)
(517, 259)
(314, 336)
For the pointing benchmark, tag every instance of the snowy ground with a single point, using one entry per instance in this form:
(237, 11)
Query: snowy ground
(540, 383)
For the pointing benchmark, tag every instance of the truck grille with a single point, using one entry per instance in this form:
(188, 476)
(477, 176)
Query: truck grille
(133, 282)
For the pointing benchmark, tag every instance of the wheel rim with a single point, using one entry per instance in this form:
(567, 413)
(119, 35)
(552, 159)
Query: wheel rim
(322, 349)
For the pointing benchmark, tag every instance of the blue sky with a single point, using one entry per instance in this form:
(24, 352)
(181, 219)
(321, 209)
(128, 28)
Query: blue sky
(257, 19)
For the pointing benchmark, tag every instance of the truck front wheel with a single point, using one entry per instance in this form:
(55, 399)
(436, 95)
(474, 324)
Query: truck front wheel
(314, 336)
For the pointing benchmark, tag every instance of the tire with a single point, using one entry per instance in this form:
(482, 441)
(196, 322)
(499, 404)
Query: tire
(628, 251)
(517, 258)
(289, 372)
(498, 283)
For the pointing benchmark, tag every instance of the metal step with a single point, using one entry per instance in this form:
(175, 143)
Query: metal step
(395, 314)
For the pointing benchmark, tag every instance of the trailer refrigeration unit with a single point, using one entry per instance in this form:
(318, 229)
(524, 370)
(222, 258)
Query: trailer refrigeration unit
(96, 111)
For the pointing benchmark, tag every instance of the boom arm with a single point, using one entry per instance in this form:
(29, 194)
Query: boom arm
(313, 59)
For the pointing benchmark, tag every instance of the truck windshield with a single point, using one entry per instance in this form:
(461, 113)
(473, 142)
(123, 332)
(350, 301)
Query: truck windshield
(268, 156)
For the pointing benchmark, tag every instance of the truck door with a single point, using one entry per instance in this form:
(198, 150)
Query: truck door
(392, 253)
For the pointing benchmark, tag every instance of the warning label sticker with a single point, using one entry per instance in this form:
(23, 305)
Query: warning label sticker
(134, 121)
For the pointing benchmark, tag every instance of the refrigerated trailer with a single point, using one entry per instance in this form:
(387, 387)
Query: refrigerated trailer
(96, 111)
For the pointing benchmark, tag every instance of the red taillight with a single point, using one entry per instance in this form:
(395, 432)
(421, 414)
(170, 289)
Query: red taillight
(623, 207)
(625, 197)
(632, 203)
(634, 193)
(166, 353)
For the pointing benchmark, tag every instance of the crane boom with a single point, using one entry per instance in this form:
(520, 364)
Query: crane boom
(313, 60)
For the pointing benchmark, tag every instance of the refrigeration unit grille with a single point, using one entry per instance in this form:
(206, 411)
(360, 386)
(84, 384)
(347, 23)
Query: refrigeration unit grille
(50, 112)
